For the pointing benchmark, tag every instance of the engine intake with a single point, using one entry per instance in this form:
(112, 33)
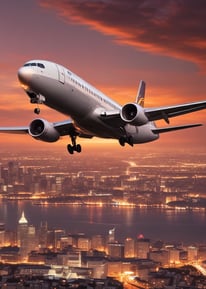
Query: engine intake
(43, 130)
(134, 114)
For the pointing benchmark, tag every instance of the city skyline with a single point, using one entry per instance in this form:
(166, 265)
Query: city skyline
(137, 192)
(113, 52)
(120, 226)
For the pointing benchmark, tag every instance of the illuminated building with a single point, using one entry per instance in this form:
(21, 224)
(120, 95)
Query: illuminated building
(54, 238)
(84, 243)
(111, 236)
(116, 250)
(114, 268)
(98, 242)
(32, 238)
(142, 247)
(192, 252)
(9, 254)
(43, 235)
(129, 248)
(13, 172)
(73, 258)
(22, 239)
(98, 266)
(64, 242)
(10, 238)
(27, 237)
(174, 256)
(160, 256)
(2, 234)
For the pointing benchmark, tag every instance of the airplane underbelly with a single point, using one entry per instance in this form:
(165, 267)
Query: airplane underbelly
(98, 128)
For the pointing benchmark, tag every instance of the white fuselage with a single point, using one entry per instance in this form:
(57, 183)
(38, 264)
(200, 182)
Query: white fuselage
(64, 91)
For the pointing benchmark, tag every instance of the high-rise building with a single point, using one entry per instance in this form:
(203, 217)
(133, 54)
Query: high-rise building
(32, 239)
(13, 170)
(84, 243)
(116, 250)
(174, 255)
(27, 237)
(142, 247)
(22, 236)
(129, 248)
(98, 242)
(111, 236)
(43, 235)
(192, 253)
(160, 256)
(2, 234)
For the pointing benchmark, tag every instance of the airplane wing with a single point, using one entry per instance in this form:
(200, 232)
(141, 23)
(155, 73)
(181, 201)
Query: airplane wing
(172, 128)
(14, 129)
(172, 111)
(66, 127)
(158, 113)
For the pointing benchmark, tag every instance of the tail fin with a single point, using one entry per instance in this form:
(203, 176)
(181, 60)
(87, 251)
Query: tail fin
(141, 93)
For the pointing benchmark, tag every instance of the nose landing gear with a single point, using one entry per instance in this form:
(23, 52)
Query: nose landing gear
(36, 98)
(37, 110)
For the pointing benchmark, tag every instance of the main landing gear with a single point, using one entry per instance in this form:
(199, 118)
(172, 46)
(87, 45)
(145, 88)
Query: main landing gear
(127, 139)
(36, 98)
(74, 147)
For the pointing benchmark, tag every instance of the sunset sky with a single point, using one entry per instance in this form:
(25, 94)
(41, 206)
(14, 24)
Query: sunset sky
(112, 44)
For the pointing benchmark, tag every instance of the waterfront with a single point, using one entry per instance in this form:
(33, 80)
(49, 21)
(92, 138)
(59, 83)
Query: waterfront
(185, 226)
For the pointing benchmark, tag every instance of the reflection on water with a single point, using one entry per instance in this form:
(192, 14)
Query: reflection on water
(181, 225)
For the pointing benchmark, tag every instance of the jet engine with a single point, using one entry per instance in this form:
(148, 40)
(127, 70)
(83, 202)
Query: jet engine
(43, 130)
(134, 114)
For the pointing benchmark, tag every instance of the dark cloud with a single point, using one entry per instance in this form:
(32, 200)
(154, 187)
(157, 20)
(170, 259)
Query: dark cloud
(171, 27)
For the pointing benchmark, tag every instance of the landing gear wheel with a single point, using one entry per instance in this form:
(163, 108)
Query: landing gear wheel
(78, 148)
(73, 147)
(128, 139)
(37, 110)
(122, 141)
(70, 149)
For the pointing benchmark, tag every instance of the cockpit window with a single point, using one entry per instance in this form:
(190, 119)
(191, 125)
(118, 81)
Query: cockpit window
(41, 65)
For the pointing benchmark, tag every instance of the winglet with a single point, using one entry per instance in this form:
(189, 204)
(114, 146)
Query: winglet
(141, 93)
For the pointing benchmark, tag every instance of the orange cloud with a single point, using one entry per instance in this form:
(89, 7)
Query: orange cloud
(173, 28)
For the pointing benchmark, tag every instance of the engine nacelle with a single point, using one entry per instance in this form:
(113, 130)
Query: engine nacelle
(134, 114)
(43, 130)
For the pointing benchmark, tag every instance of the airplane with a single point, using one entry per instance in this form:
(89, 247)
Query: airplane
(91, 112)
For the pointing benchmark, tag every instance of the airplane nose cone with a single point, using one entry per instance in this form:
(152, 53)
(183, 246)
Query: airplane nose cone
(25, 75)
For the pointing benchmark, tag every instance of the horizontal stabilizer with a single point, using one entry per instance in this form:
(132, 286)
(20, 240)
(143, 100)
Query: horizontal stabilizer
(172, 128)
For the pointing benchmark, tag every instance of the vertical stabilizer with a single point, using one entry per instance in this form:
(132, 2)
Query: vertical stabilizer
(141, 93)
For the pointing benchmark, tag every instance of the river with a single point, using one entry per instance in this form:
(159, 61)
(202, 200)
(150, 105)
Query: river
(184, 226)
